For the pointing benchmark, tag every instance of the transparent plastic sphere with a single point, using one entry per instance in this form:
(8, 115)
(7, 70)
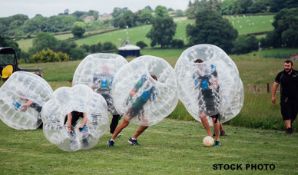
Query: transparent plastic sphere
(97, 71)
(82, 99)
(145, 89)
(21, 99)
(211, 85)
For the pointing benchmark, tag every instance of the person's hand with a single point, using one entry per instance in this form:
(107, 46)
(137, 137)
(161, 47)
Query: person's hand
(132, 93)
(25, 107)
(273, 99)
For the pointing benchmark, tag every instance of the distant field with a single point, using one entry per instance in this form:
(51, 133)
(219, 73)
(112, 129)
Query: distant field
(251, 24)
(243, 24)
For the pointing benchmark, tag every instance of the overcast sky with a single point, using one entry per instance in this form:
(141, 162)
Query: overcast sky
(53, 7)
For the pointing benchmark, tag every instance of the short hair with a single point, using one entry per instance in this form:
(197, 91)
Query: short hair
(198, 60)
(289, 61)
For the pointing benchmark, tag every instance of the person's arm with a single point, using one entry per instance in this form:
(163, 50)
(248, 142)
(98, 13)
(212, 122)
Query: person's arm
(273, 92)
(26, 105)
(85, 119)
(196, 79)
(69, 119)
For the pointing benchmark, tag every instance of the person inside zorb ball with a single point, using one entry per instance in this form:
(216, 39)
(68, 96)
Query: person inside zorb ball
(209, 86)
(145, 91)
(21, 99)
(75, 118)
(97, 71)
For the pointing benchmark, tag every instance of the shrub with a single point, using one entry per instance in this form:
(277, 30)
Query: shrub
(141, 44)
(245, 44)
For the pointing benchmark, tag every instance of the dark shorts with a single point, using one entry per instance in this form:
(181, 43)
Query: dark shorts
(75, 117)
(215, 117)
(136, 108)
(36, 107)
(209, 100)
(288, 108)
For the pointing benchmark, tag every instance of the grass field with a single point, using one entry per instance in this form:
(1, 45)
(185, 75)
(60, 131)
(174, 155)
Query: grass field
(251, 24)
(171, 147)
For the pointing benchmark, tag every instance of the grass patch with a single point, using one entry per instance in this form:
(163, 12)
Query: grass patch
(251, 24)
(171, 147)
(278, 53)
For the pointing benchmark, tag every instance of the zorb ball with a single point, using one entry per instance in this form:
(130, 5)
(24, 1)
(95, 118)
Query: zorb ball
(145, 90)
(21, 99)
(97, 71)
(208, 141)
(79, 98)
(209, 82)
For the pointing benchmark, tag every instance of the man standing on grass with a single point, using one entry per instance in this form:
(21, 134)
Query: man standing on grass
(288, 81)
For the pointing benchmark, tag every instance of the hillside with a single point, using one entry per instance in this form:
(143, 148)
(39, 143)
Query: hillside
(243, 24)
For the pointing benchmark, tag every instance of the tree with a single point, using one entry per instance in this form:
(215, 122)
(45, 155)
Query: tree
(144, 16)
(162, 31)
(285, 32)
(277, 5)
(202, 5)
(43, 41)
(212, 28)
(161, 11)
(36, 24)
(123, 17)
(230, 7)
(78, 29)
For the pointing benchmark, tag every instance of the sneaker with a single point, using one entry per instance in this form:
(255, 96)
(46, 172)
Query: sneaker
(133, 141)
(110, 143)
(289, 131)
(217, 143)
(85, 142)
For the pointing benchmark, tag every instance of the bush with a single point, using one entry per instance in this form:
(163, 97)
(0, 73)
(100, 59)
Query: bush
(141, 44)
(245, 44)
(77, 53)
(48, 55)
(96, 48)
(108, 46)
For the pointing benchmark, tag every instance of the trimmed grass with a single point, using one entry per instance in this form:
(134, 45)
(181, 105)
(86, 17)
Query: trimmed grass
(171, 147)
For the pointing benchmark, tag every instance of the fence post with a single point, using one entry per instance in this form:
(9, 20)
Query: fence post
(268, 88)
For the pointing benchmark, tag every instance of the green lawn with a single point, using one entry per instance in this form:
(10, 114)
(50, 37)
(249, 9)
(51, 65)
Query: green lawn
(170, 147)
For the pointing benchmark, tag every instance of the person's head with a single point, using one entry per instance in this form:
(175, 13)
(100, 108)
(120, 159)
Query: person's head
(198, 60)
(288, 65)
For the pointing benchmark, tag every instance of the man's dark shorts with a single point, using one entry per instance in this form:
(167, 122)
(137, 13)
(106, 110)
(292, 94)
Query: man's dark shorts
(289, 108)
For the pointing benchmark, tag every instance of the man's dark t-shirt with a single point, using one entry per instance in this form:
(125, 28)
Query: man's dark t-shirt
(288, 84)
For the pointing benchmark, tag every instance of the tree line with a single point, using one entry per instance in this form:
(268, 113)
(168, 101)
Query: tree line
(209, 27)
